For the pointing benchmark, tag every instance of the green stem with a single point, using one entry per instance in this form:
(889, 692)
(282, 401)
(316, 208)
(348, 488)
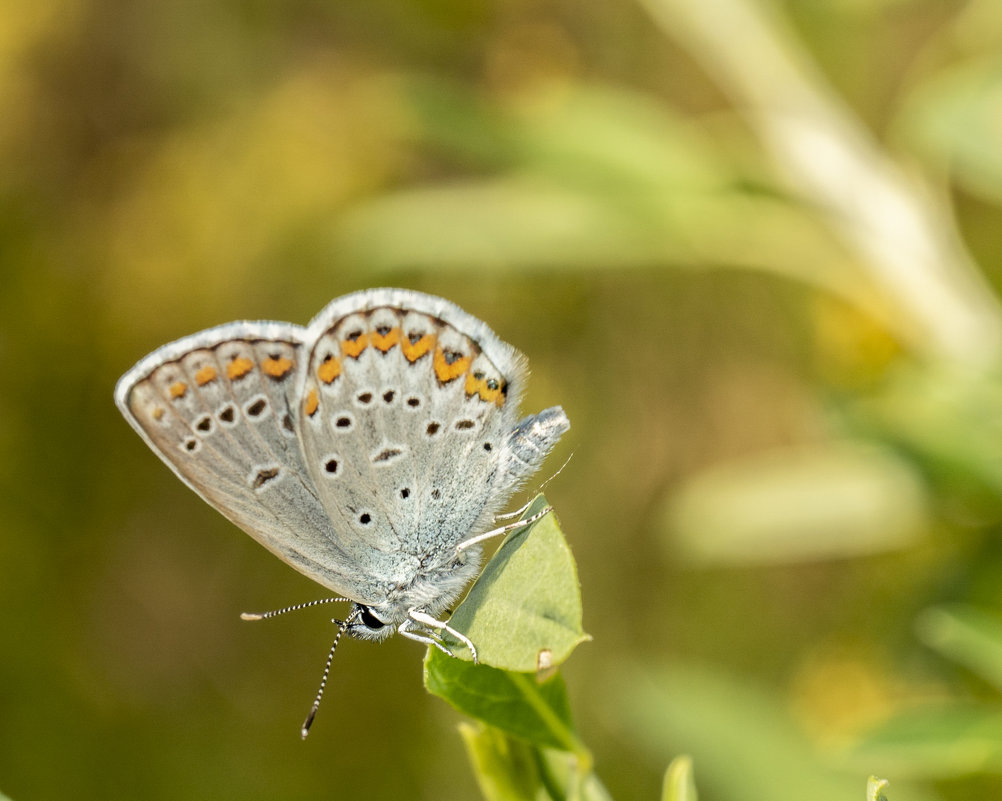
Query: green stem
(563, 734)
(564, 779)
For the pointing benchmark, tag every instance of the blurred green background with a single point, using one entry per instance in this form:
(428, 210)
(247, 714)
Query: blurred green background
(728, 237)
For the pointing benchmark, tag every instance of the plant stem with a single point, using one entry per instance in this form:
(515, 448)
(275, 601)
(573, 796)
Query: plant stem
(933, 295)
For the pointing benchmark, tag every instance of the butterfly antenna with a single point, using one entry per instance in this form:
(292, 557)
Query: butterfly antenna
(294, 608)
(518, 512)
(305, 730)
(557, 473)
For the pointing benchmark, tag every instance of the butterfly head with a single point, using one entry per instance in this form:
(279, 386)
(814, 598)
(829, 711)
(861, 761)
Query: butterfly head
(370, 623)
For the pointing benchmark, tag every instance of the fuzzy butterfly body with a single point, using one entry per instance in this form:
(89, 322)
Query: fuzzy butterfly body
(368, 450)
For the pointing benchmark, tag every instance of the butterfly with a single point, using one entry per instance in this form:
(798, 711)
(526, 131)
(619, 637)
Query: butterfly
(370, 450)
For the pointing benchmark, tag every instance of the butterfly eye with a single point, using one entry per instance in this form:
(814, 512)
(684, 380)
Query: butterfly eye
(370, 621)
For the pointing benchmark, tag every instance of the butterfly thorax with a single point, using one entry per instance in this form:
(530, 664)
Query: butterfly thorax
(432, 590)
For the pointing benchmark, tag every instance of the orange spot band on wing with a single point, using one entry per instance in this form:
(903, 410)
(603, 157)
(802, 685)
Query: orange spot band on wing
(329, 369)
(276, 367)
(489, 389)
(311, 403)
(353, 346)
(385, 341)
(177, 390)
(205, 375)
(239, 367)
(415, 347)
(450, 367)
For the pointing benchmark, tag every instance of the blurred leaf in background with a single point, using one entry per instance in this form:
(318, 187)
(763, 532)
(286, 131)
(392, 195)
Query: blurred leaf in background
(679, 784)
(834, 500)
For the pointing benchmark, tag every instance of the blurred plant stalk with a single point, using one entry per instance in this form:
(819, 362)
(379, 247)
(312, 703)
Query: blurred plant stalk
(933, 295)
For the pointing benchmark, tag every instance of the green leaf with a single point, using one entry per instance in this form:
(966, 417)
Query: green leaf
(875, 789)
(838, 499)
(528, 221)
(524, 612)
(516, 703)
(954, 118)
(940, 742)
(506, 769)
(746, 746)
(524, 616)
(966, 635)
(679, 784)
(593, 177)
(592, 134)
(947, 421)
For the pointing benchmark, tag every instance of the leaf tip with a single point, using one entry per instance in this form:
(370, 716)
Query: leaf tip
(679, 784)
(875, 789)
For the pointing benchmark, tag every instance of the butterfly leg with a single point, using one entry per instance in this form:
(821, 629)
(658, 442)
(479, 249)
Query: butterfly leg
(427, 639)
(430, 635)
(496, 532)
(517, 513)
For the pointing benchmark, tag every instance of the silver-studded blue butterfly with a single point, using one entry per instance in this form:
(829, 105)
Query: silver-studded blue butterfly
(370, 450)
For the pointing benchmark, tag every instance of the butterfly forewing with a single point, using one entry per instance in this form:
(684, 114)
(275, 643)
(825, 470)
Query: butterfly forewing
(403, 415)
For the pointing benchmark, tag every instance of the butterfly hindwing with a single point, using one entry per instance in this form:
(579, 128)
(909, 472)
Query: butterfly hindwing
(219, 408)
